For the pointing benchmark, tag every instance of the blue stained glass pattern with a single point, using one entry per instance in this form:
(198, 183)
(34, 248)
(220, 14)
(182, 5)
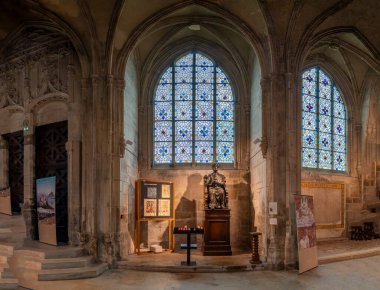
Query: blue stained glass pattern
(324, 91)
(309, 88)
(204, 152)
(163, 111)
(183, 92)
(310, 75)
(309, 121)
(221, 77)
(225, 131)
(340, 161)
(309, 139)
(163, 152)
(323, 122)
(183, 131)
(309, 104)
(163, 131)
(224, 111)
(339, 110)
(324, 159)
(339, 143)
(204, 131)
(339, 126)
(325, 141)
(204, 92)
(185, 61)
(183, 110)
(324, 107)
(309, 157)
(224, 152)
(186, 97)
(224, 92)
(183, 152)
(204, 74)
(204, 110)
(167, 76)
(201, 60)
(184, 74)
(163, 92)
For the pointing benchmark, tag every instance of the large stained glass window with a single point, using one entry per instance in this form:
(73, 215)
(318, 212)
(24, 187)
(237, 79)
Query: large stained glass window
(194, 113)
(323, 122)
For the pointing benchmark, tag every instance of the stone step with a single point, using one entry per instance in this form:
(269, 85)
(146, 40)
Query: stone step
(65, 263)
(73, 273)
(55, 253)
(8, 283)
(6, 273)
(6, 249)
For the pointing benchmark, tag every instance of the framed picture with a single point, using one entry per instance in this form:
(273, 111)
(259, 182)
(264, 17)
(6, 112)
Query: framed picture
(164, 207)
(165, 190)
(151, 192)
(150, 207)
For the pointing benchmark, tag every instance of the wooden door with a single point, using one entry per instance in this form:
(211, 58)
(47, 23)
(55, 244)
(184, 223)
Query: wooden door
(16, 168)
(51, 160)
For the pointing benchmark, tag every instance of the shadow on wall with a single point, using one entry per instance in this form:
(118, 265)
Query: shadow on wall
(186, 211)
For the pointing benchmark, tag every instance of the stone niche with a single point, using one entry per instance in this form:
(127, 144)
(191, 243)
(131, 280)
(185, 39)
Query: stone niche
(189, 205)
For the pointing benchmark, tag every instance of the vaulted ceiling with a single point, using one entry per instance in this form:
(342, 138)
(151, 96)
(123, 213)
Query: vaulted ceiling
(285, 34)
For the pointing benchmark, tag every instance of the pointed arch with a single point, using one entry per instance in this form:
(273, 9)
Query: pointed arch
(193, 113)
(324, 122)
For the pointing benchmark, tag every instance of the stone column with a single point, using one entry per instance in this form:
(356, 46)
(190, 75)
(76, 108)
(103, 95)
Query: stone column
(29, 208)
(277, 173)
(73, 147)
(4, 163)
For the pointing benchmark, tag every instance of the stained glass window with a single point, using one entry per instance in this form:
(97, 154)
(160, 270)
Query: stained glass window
(323, 122)
(194, 113)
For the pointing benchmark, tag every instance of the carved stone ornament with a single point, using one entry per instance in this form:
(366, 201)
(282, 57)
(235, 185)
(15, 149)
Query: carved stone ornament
(216, 194)
(36, 64)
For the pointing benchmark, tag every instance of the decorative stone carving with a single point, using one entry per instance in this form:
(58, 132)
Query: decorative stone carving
(216, 194)
(36, 65)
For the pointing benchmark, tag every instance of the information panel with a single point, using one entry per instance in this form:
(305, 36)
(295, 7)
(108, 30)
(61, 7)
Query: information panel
(156, 199)
(46, 210)
(306, 232)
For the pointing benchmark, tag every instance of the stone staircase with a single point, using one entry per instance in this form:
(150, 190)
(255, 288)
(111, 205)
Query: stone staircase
(7, 279)
(37, 262)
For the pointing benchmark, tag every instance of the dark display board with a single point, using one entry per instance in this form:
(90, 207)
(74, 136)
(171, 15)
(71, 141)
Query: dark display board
(155, 199)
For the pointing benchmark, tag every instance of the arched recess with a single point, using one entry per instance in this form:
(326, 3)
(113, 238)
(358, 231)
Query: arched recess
(350, 60)
(150, 48)
(39, 69)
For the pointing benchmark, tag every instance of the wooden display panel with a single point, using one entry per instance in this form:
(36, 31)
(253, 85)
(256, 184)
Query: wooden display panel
(154, 202)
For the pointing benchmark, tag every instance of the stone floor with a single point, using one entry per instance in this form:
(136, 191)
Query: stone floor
(352, 274)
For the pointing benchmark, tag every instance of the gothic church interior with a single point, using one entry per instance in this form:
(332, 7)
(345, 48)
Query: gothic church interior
(281, 94)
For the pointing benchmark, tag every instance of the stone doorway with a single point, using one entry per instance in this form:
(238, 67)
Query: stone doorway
(51, 160)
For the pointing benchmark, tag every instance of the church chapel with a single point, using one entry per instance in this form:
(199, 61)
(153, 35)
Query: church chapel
(282, 94)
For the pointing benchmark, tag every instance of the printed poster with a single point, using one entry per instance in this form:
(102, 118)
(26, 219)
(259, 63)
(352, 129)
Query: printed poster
(165, 191)
(306, 232)
(46, 210)
(151, 192)
(150, 207)
(164, 207)
(5, 201)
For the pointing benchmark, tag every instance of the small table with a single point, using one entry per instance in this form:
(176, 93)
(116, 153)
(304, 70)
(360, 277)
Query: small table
(188, 232)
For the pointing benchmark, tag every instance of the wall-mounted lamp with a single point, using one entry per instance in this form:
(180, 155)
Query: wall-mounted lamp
(25, 125)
